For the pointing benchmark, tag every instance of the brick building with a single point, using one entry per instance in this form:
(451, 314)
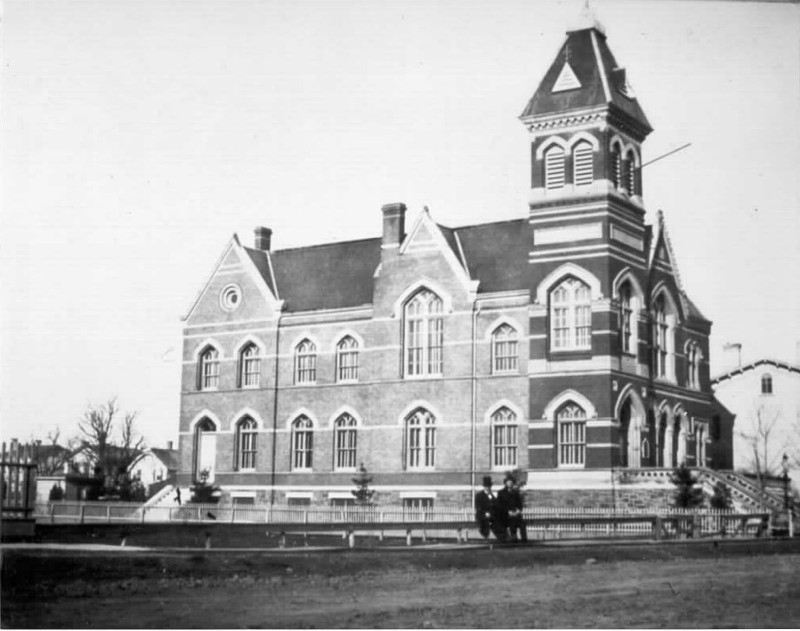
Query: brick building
(560, 342)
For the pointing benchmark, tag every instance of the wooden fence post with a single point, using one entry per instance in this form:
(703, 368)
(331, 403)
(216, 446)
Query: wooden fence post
(351, 539)
(144, 510)
(108, 513)
(83, 512)
(52, 513)
(408, 537)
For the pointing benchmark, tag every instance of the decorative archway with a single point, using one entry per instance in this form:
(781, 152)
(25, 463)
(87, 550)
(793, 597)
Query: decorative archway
(632, 418)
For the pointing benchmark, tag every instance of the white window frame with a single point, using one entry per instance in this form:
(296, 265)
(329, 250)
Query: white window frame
(570, 316)
(347, 356)
(302, 444)
(305, 362)
(505, 349)
(246, 444)
(420, 440)
(504, 438)
(423, 352)
(572, 454)
(250, 366)
(345, 443)
(209, 368)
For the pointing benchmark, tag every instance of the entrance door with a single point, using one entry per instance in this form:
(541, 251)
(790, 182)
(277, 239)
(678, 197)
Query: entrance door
(208, 454)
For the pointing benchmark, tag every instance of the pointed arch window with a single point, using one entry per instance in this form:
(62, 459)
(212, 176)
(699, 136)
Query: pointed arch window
(571, 428)
(583, 163)
(504, 438)
(420, 440)
(249, 366)
(504, 349)
(424, 334)
(616, 166)
(347, 359)
(662, 338)
(766, 384)
(208, 371)
(302, 443)
(630, 173)
(693, 356)
(246, 436)
(626, 317)
(305, 362)
(554, 167)
(345, 437)
(571, 315)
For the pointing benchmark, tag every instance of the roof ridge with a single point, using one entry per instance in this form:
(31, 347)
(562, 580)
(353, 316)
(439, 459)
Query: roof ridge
(322, 245)
(750, 365)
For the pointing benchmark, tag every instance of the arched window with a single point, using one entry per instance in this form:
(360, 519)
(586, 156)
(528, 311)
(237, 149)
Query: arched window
(504, 438)
(205, 450)
(420, 440)
(302, 443)
(693, 365)
(249, 366)
(424, 334)
(616, 166)
(246, 433)
(344, 437)
(209, 369)
(305, 362)
(347, 359)
(582, 163)
(662, 338)
(571, 424)
(626, 318)
(630, 179)
(554, 168)
(504, 349)
(766, 384)
(571, 315)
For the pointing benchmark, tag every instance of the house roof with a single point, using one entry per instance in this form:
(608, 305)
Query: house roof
(752, 366)
(168, 456)
(340, 275)
(593, 79)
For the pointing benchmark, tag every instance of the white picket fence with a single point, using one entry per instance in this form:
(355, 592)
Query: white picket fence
(542, 522)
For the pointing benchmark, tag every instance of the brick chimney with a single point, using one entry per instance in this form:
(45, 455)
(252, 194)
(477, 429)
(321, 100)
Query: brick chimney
(169, 445)
(732, 356)
(263, 238)
(394, 224)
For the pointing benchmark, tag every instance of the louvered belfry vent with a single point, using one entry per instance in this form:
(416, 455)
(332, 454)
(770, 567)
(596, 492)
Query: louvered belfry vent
(554, 174)
(583, 164)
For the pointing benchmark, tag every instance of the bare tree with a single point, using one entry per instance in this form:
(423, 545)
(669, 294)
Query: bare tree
(764, 441)
(109, 455)
(53, 457)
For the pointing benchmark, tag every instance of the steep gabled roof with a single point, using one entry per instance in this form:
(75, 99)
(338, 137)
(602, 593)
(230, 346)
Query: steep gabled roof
(585, 57)
(168, 456)
(752, 366)
(497, 254)
(340, 275)
(329, 276)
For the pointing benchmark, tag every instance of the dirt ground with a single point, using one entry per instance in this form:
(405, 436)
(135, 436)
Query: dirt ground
(653, 586)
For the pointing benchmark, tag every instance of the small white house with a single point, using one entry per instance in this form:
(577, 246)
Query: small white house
(156, 465)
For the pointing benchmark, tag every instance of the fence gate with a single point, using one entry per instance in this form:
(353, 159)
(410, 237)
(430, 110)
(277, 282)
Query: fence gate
(18, 483)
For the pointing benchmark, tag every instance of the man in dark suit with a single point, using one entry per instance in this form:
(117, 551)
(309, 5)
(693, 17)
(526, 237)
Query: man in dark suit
(509, 500)
(485, 507)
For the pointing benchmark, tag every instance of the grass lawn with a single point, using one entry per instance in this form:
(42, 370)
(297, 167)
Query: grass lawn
(706, 584)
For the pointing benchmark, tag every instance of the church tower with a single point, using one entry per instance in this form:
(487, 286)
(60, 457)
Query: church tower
(586, 130)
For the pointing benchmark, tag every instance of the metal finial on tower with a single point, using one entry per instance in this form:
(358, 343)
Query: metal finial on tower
(588, 19)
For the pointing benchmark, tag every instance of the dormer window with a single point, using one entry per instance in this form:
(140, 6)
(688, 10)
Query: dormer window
(554, 168)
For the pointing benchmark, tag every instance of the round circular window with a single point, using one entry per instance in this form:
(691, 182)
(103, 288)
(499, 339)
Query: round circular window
(231, 297)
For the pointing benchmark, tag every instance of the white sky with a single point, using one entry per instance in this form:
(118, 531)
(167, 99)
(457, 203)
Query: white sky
(138, 136)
